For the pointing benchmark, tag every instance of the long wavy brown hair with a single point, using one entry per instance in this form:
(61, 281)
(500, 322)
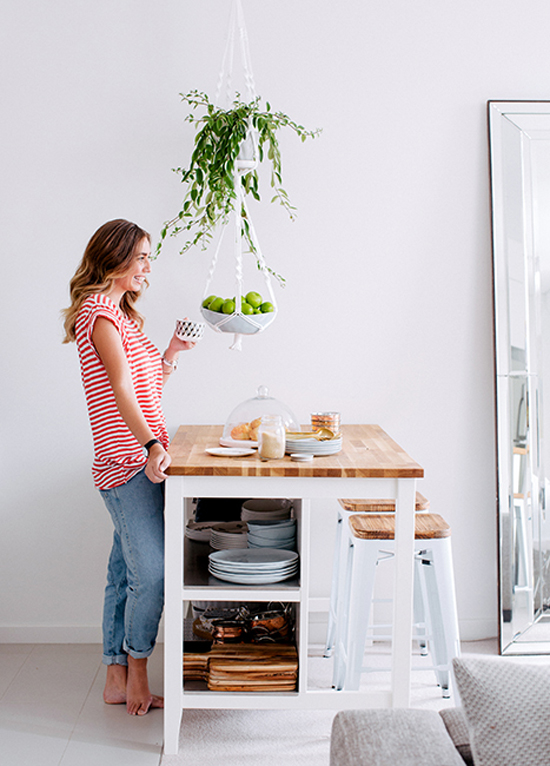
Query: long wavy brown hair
(108, 255)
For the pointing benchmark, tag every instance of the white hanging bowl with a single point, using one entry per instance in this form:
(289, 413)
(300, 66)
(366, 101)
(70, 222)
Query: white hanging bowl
(243, 324)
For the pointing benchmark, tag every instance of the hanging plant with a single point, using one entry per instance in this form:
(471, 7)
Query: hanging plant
(219, 160)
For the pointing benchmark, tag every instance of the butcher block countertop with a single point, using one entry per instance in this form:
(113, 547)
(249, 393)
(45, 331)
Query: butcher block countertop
(367, 452)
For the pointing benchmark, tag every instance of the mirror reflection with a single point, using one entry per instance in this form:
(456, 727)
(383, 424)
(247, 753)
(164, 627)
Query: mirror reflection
(519, 135)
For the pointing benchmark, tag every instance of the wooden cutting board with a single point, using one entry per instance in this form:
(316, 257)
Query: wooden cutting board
(244, 667)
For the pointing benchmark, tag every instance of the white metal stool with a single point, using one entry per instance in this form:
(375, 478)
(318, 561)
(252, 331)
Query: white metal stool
(371, 537)
(347, 508)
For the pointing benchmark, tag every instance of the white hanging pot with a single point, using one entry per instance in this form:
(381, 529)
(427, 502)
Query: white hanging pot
(248, 156)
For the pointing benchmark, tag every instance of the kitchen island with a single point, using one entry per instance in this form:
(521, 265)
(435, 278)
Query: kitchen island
(370, 465)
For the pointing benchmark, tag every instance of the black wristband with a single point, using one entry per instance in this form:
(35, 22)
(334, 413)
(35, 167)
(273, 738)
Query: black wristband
(150, 444)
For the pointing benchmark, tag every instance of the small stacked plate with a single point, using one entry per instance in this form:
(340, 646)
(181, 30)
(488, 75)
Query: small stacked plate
(312, 446)
(231, 534)
(199, 531)
(266, 510)
(272, 534)
(253, 566)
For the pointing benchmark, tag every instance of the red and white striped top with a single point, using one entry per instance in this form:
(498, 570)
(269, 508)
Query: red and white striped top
(117, 454)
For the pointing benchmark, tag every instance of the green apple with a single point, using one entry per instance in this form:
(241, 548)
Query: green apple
(255, 299)
(216, 304)
(266, 307)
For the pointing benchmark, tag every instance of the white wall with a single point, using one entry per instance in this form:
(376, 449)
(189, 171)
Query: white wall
(387, 313)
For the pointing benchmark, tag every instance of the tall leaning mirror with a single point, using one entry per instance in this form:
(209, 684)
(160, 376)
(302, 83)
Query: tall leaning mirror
(519, 138)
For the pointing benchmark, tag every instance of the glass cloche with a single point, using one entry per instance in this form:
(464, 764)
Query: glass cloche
(241, 427)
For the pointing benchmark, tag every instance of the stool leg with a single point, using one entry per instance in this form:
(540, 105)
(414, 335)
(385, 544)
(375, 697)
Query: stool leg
(443, 563)
(341, 657)
(335, 585)
(361, 591)
(419, 611)
(441, 603)
(434, 619)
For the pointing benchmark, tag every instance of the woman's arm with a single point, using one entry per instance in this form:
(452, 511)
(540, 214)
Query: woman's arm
(108, 343)
(170, 356)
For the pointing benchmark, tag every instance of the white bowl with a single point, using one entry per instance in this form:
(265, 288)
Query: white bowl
(272, 533)
(267, 504)
(188, 330)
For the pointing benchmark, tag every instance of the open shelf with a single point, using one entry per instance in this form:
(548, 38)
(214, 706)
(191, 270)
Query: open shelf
(197, 576)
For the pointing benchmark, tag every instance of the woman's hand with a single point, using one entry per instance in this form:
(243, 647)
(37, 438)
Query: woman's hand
(176, 345)
(157, 462)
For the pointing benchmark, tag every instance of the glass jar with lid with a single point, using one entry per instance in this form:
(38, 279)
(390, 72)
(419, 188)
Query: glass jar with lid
(242, 425)
(271, 438)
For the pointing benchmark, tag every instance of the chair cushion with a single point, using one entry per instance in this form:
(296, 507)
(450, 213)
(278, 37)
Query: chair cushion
(507, 707)
(391, 738)
(457, 728)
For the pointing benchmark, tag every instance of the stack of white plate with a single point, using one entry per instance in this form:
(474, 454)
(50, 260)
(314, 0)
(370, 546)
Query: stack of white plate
(266, 509)
(253, 566)
(313, 446)
(199, 530)
(230, 534)
(272, 534)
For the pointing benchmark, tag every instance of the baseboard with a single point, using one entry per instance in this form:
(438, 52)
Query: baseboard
(470, 630)
(47, 634)
(477, 630)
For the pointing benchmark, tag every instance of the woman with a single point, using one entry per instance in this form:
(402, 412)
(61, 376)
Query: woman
(123, 375)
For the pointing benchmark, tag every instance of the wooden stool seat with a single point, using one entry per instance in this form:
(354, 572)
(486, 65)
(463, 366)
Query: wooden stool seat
(428, 526)
(380, 506)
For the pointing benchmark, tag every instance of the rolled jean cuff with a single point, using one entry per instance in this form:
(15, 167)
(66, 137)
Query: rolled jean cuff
(137, 655)
(115, 659)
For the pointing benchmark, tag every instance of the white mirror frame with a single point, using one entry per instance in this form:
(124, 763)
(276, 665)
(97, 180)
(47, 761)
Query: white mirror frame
(519, 140)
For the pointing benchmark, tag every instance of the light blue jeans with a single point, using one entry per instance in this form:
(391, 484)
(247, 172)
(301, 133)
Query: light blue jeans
(134, 596)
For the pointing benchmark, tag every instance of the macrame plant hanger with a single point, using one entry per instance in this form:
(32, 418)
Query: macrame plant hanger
(237, 322)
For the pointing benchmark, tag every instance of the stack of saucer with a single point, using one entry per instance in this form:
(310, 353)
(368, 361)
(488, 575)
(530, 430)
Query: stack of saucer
(199, 531)
(272, 534)
(230, 534)
(312, 446)
(266, 510)
(259, 566)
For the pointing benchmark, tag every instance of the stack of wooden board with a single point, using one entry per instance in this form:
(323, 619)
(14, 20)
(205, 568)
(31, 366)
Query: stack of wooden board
(244, 667)
(195, 666)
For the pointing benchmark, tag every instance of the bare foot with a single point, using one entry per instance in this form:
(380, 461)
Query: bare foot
(115, 685)
(138, 697)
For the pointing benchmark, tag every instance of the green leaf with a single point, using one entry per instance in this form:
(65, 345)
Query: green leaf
(210, 178)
